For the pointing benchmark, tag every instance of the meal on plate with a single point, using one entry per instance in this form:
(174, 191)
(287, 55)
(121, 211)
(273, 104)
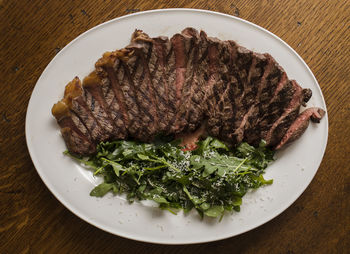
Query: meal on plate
(230, 108)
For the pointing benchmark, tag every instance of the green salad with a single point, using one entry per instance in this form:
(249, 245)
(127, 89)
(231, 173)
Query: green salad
(211, 179)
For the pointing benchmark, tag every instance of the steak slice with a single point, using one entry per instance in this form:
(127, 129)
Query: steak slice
(137, 73)
(114, 66)
(112, 94)
(74, 133)
(205, 69)
(274, 110)
(208, 73)
(156, 49)
(75, 142)
(230, 98)
(247, 106)
(74, 95)
(115, 109)
(108, 68)
(161, 84)
(93, 85)
(299, 126)
(281, 125)
(190, 109)
(97, 111)
(184, 53)
(218, 96)
(268, 84)
(240, 89)
(170, 79)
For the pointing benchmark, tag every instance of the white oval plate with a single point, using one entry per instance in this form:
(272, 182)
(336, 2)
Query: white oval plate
(70, 183)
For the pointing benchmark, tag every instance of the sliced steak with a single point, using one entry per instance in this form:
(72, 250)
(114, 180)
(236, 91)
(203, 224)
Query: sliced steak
(114, 107)
(209, 51)
(230, 97)
(268, 106)
(97, 112)
(187, 85)
(299, 126)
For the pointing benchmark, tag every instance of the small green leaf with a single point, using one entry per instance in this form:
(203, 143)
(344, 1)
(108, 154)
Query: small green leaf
(209, 169)
(214, 211)
(101, 189)
(217, 144)
(196, 200)
(203, 145)
(142, 188)
(160, 200)
(127, 152)
(143, 157)
(263, 181)
(205, 206)
(116, 166)
(221, 172)
(237, 201)
(115, 189)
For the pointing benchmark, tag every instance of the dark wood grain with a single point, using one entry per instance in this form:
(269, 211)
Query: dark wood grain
(33, 221)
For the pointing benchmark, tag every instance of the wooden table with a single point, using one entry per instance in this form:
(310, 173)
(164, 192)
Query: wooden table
(33, 221)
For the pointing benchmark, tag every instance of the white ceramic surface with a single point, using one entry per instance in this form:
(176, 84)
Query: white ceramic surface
(70, 183)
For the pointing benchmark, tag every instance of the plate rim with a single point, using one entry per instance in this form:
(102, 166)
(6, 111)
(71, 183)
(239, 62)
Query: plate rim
(67, 204)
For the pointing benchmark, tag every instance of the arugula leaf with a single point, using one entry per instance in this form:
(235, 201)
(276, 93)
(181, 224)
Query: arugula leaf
(101, 189)
(217, 144)
(221, 164)
(214, 211)
(116, 166)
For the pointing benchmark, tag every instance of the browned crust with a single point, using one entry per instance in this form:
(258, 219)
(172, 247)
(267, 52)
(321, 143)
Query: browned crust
(72, 90)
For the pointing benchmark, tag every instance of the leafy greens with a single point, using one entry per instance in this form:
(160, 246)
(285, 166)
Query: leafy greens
(211, 179)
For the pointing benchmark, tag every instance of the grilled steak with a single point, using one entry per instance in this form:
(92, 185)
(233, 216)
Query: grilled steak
(189, 85)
